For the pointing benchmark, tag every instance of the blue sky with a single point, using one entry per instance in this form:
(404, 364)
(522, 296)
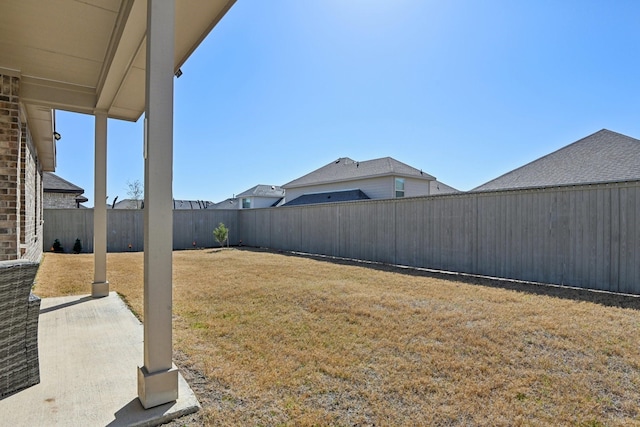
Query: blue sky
(464, 90)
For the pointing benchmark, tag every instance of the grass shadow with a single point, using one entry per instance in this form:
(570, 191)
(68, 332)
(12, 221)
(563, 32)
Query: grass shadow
(605, 298)
(219, 249)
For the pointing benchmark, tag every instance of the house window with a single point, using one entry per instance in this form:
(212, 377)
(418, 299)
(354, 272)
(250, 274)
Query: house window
(399, 187)
(246, 203)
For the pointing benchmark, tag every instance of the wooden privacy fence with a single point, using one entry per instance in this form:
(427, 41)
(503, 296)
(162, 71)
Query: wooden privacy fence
(586, 236)
(126, 227)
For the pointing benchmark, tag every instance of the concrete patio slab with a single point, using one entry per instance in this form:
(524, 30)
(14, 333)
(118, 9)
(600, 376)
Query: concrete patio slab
(89, 353)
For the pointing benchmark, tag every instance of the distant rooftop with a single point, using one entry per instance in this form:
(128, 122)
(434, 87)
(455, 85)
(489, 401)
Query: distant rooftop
(227, 204)
(52, 183)
(263, 191)
(128, 204)
(346, 169)
(604, 156)
(192, 204)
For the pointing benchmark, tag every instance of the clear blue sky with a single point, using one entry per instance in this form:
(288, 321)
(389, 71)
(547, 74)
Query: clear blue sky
(464, 90)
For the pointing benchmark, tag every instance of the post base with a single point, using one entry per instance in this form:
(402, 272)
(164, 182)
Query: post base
(100, 289)
(157, 388)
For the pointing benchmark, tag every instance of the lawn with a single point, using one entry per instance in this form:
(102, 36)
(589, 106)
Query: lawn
(273, 339)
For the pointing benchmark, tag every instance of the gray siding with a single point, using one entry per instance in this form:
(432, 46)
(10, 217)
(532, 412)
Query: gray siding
(412, 187)
(260, 202)
(375, 188)
(585, 236)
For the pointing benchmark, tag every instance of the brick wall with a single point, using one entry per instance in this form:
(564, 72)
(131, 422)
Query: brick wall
(10, 137)
(60, 200)
(20, 180)
(31, 200)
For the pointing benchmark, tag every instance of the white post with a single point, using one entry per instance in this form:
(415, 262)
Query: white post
(158, 378)
(100, 286)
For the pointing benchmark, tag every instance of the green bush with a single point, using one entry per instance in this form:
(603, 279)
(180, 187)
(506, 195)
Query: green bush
(221, 233)
(77, 246)
(57, 246)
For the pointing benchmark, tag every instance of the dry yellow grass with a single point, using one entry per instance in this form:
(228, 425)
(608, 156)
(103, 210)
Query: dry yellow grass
(270, 339)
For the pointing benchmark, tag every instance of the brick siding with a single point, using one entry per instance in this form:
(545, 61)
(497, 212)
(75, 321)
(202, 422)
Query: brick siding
(20, 180)
(53, 200)
(31, 201)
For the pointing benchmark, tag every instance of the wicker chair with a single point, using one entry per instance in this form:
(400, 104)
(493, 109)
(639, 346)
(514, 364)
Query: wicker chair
(19, 311)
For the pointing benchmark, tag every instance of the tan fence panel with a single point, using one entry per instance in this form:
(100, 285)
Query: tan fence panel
(586, 236)
(124, 228)
(67, 225)
(197, 225)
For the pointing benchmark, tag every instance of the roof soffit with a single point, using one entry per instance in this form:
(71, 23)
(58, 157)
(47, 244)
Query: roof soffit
(124, 94)
(88, 55)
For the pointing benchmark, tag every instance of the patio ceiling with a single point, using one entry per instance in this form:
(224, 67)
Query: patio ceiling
(88, 55)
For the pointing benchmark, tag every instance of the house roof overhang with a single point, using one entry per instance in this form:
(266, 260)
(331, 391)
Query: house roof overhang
(88, 56)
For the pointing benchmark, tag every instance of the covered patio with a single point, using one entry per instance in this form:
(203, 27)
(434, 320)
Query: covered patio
(88, 350)
(111, 59)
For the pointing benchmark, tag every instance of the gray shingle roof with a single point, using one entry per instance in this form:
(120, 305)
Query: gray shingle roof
(346, 169)
(263, 191)
(128, 204)
(52, 183)
(333, 196)
(192, 204)
(439, 187)
(227, 204)
(604, 156)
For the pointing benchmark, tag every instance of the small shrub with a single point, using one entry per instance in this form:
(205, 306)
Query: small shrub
(57, 246)
(77, 246)
(221, 233)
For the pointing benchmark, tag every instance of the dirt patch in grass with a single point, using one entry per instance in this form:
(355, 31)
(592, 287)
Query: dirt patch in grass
(269, 339)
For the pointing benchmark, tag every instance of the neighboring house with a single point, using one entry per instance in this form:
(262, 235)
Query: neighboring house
(604, 156)
(192, 204)
(260, 196)
(346, 179)
(60, 193)
(231, 203)
(334, 196)
(127, 204)
(177, 204)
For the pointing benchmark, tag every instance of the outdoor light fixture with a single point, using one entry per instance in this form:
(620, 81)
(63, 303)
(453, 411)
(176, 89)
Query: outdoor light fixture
(178, 73)
(57, 136)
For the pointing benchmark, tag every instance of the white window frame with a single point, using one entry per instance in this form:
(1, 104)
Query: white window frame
(397, 181)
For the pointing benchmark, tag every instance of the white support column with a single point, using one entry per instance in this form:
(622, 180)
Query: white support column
(100, 286)
(158, 378)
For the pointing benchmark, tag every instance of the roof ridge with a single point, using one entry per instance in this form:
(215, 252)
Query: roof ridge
(553, 154)
(355, 170)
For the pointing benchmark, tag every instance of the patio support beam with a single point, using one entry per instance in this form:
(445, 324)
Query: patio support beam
(158, 378)
(100, 286)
